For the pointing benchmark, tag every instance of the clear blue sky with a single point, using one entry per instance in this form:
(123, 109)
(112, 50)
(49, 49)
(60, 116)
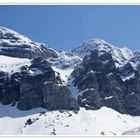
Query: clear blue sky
(64, 27)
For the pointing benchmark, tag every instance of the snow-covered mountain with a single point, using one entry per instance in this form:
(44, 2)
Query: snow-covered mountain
(45, 92)
(16, 45)
(120, 55)
(65, 60)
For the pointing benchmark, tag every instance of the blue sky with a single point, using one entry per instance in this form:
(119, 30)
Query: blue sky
(64, 27)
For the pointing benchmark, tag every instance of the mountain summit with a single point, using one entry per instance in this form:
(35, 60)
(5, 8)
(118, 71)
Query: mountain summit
(16, 45)
(120, 55)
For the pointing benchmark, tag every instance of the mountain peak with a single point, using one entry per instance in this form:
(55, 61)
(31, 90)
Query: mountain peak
(120, 55)
(6, 33)
(16, 45)
(90, 45)
(96, 41)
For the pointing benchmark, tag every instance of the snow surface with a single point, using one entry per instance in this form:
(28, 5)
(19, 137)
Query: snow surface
(12, 64)
(86, 122)
(65, 60)
(64, 73)
(134, 131)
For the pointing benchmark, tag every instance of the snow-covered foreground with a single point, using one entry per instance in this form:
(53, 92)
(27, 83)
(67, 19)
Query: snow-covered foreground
(12, 64)
(39, 121)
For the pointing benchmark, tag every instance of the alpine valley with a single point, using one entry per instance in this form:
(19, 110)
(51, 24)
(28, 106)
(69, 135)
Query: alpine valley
(93, 89)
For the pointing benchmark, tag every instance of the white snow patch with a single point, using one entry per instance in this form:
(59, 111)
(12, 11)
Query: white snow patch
(132, 93)
(128, 77)
(35, 71)
(48, 82)
(105, 62)
(85, 90)
(90, 72)
(109, 97)
(12, 64)
(64, 73)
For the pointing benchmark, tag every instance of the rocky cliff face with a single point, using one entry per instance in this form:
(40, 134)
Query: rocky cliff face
(103, 74)
(36, 85)
(101, 83)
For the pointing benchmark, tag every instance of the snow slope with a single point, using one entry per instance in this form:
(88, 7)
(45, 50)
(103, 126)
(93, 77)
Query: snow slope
(134, 131)
(65, 60)
(86, 122)
(12, 64)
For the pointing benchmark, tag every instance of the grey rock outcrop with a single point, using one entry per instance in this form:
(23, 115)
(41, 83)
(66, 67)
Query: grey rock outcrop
(9, 87)
(43, 88)
(36, 85)
(100, 84)
(132, 96)
(57, 96)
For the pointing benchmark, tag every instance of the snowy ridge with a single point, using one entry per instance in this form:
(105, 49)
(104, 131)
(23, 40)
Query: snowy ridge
(6, 32)
(12, 38)
(65, 60)
(120, 55)
(17, 45)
